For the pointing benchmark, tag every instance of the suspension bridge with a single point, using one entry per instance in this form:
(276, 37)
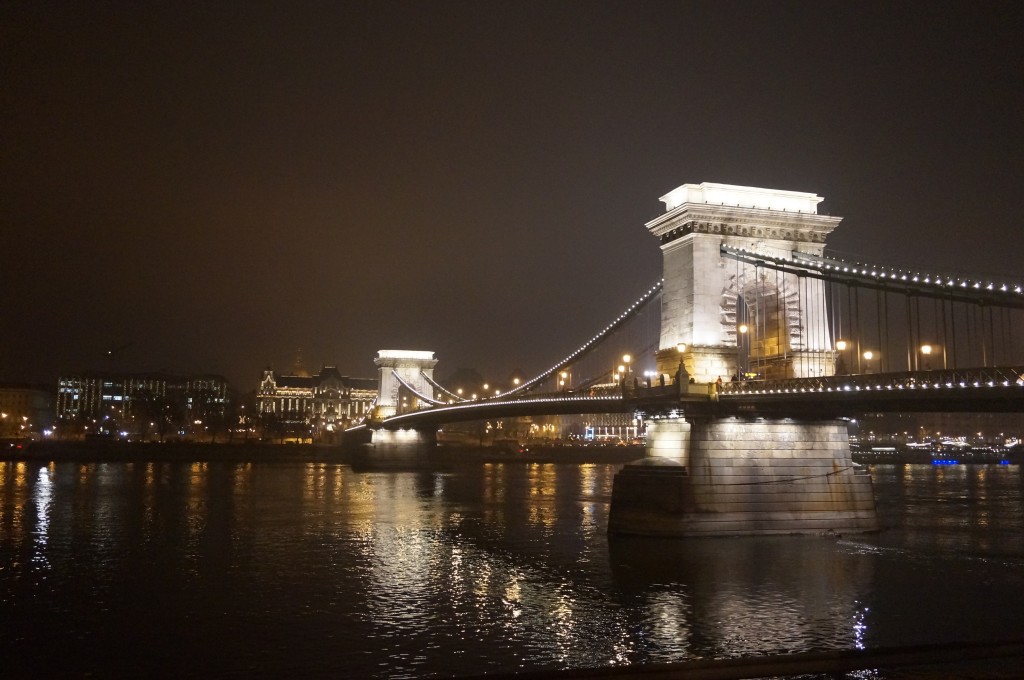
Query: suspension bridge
(742, 360)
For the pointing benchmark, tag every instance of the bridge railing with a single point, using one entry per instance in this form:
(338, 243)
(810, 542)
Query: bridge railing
(602, 392)
(961, 378)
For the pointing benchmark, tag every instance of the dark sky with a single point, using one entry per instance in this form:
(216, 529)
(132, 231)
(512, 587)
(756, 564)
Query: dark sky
(218, 184)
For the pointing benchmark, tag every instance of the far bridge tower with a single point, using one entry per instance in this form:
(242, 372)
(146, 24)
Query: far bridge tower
(414, 367)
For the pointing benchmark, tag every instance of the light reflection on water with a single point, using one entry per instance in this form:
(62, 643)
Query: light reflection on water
(312, 569)
(41, 495)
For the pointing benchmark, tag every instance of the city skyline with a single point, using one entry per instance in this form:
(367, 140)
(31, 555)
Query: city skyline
(209, 189)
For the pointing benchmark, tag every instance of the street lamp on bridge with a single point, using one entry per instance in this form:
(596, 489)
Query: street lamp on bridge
(743, 350)
(868, 356)
(926, 351)
(682, 376)
(840, 359)
(563, 380)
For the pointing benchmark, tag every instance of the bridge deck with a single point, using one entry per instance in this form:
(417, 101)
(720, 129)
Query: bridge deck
(978, 390)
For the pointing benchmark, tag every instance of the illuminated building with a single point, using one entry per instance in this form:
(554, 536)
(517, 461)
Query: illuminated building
(25, 410)
(303, 403)
(127, 402)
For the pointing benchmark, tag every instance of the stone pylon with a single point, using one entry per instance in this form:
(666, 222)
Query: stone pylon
(720, 316)
(415, 367)
(712, 475)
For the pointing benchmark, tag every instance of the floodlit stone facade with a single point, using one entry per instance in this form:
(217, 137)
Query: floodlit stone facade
(712, 475)
(728, 476)
(413, 367)
(327, 401)
(708, 297)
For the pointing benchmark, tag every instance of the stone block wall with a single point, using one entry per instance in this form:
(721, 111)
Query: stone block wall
(669, 439)
(750, 477)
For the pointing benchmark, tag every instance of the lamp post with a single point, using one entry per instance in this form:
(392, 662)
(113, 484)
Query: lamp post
(868, 356)
(926, 351)
(840, 360)
(682, 377)
(743, 350)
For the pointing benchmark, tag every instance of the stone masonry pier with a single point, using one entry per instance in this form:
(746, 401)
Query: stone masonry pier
(729, 476)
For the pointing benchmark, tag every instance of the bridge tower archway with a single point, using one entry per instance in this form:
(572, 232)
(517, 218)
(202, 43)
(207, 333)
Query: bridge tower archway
(705, 294)
(756, 313)
(762, 314)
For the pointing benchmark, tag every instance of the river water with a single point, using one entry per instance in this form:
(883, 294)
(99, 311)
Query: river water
(266, 569)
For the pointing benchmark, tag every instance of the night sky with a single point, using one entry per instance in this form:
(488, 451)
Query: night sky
(211, 186)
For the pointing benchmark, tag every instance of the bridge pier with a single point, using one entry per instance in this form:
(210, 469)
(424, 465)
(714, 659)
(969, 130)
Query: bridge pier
(720, 476)
(391, 449)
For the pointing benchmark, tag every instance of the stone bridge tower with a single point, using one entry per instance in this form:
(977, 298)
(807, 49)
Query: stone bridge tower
(415, 367)
(711, 474)
(707, 298)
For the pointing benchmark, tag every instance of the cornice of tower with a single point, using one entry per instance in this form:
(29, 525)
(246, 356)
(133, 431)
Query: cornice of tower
(761, 223)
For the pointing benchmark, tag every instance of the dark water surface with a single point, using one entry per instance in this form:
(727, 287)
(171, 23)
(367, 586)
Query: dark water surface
(292, 569)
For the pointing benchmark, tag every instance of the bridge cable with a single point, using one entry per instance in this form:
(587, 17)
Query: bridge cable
(436, 385)
(983, 336)
(406, 385)
(875, 277)
(588, 346)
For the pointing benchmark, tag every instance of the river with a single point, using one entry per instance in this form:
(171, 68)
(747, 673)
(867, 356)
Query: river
(273, 569)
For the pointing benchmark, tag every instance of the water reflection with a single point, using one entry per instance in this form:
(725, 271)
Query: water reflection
(859, 626)
(41, 496)
(311, 569)
(13, 481)
(746, 595)
(980, 507)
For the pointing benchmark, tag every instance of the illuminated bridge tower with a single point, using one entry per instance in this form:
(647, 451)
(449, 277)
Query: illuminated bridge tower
(709, 300)
(400, 448)
(414, 367)
(709, 474)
